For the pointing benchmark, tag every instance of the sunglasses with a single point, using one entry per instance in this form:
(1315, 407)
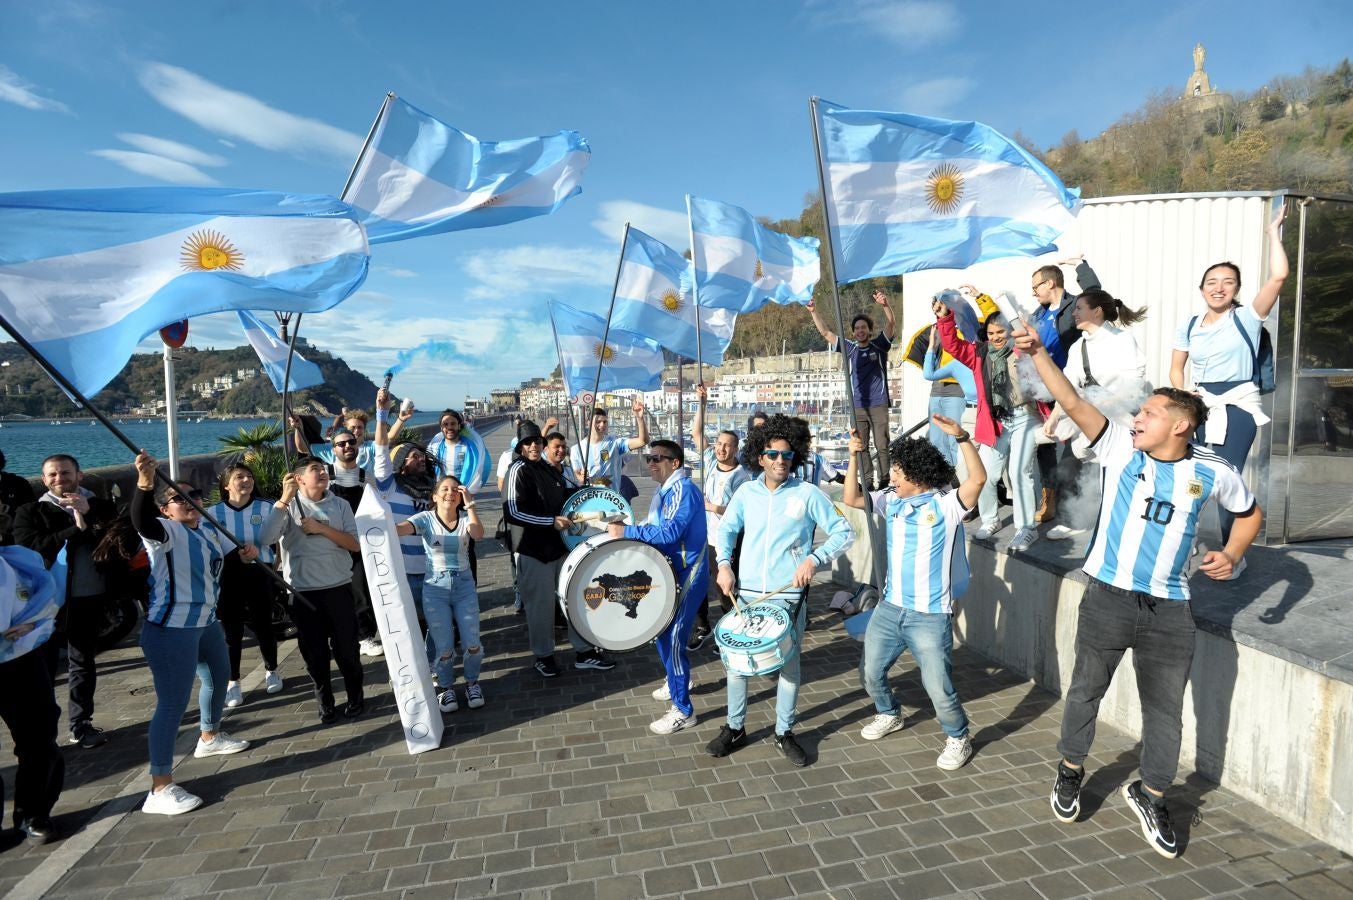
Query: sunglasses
(344, 443)
(657, 457)
(786, 455)
(178, 498)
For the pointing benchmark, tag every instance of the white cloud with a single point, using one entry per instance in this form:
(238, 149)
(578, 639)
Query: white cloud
(936, 96)
(909, 23)
(170, 170)
(172, 150)
(16, 90)
(666, 225)
(237, 115)
(515, 271)
(393, 272)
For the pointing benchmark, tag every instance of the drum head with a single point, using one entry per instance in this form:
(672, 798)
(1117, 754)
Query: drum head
(592, 500)
(618, 594)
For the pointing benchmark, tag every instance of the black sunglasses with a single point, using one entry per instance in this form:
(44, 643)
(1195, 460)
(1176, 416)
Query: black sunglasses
(344, 443)
(178, 498)
(657, 457)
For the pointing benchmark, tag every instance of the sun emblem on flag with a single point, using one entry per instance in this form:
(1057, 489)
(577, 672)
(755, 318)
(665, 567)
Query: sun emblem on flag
(207, 251)
(944, 188)
(672, 300)
(760, 271)
(603, 352)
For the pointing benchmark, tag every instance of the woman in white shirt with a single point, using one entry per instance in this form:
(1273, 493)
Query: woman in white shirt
(1221, 346)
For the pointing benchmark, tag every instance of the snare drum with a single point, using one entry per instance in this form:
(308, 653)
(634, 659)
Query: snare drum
(757, 641)
(592, 500)
(617, 593)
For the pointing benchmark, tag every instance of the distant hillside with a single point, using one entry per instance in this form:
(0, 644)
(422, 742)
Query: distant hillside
(26, 389)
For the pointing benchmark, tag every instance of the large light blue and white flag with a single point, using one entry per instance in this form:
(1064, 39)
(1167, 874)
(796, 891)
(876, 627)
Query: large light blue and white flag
(420, 176)
(627, 360)
(742, 265)
(85, 275)
(272, 353)
(654, 298)
(908, 192)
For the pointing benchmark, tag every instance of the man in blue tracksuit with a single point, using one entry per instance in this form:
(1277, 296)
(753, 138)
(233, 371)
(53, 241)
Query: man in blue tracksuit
(676, 526)
(777, 514)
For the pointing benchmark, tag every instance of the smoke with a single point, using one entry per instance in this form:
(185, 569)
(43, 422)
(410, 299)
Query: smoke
(434, 351)
(1118, 404)
(1029, 380)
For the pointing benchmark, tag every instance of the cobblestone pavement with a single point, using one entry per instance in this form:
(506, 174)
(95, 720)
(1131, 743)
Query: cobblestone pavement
(558, 789)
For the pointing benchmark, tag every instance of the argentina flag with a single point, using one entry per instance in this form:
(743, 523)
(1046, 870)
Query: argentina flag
(906, 192)
(654, 298)
(272, 353)
(627, 360)
(420, 176)
(86, 274)
(741, 265)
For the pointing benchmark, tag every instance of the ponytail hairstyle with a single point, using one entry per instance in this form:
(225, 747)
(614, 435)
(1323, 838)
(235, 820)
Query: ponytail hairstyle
(1114, 310)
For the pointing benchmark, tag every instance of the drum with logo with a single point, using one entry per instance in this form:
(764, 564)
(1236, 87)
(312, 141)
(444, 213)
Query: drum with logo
(757, 640)
(618, 593)
(593, 505)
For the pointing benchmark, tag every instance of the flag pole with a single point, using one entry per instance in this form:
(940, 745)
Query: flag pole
(55, 374)
(601, 354)
(864, 463)
(699, 353)
(560, 354)
(347, 185)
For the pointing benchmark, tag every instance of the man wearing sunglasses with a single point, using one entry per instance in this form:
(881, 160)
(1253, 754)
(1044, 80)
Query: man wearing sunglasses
(676, 526)
(777, 515)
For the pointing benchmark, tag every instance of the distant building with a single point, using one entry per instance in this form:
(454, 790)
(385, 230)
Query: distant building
(1200, 95)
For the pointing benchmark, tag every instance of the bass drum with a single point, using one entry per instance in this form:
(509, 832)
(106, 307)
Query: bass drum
(592, 500)
(617, 593)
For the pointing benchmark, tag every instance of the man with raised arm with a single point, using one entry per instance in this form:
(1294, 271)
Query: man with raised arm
(605, 453)
(722, 477)
(1155, 485)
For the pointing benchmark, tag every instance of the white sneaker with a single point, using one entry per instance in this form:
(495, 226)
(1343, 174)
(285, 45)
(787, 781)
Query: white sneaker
(170, 800)
(1023, 540)
(957, 751)
(672, 721)
(663, 693)
(272, 683)
(883, 724)
(987, 531)
(221, 745)
(371, 647)
(233, 695)
(1063, 533)
(447, 702)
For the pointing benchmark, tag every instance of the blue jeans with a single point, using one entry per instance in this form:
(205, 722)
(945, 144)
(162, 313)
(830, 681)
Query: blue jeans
(449, 594)
(894, 630)
(950, 408)
(1013, 456)
(787, 688)
(174, 656)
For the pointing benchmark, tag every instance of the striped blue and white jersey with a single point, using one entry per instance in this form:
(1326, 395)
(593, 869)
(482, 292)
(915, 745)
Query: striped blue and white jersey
(927, 553)
(604, 460)
(446, 548)
(1149, 515)
(815, 469)
(402, 506)
(719, 489)
(185, 575)
(245, 523)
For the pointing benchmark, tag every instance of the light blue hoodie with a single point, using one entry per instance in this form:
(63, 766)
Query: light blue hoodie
(778, 532)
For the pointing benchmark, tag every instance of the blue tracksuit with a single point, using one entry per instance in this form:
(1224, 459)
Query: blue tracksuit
(676, 526)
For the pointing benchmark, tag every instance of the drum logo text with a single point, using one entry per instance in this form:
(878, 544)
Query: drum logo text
(627, 590)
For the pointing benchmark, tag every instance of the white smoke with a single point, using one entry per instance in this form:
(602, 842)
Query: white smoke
(1118, 404)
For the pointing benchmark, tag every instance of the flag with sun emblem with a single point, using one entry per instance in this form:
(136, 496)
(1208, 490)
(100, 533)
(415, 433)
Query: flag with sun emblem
(654, 297)
(905, 193)
(742, 265)
(86, 274)
(420, 176)
(627, 360)
(272, 354)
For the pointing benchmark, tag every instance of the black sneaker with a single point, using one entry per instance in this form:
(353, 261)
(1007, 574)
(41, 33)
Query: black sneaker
(87, 736)
(327, 715)
(354, 708)
(546, 668)
(39, 829)
(593, 659)
(1155, 819)
(698, 637)
(786, 744)
(727, 741)
(1066, 793)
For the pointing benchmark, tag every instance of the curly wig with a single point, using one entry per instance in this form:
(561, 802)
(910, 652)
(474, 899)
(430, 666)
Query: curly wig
(921, 462)
(778, 427)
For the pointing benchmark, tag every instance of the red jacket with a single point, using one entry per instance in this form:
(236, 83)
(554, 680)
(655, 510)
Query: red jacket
(966, 352)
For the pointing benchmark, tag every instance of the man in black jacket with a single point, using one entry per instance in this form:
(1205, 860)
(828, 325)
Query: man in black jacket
(14, 493)
(71, 517)
(536, 492)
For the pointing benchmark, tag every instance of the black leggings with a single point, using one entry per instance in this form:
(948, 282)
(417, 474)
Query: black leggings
(326, 628)
(246, 599)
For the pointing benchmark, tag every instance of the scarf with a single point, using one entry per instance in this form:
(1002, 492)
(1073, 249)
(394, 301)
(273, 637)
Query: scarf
(997, 374)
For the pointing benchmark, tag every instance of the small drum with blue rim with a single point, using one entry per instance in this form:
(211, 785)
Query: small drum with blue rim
(593, 506)
(758, 640)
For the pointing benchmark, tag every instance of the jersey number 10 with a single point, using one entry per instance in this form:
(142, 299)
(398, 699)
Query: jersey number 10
(1158, 511)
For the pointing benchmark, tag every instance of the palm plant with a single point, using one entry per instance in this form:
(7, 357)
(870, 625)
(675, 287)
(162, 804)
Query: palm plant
(258, 449)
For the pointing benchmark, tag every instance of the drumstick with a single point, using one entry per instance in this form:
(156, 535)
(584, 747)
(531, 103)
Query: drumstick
(741, 608)
(598, 516)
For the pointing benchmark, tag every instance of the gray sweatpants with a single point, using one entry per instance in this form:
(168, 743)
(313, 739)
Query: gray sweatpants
(538, 582)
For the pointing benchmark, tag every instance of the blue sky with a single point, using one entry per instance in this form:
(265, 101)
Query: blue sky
(702, 97)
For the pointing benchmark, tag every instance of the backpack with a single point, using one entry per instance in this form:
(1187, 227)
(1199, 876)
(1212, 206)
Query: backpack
(1264, 375)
